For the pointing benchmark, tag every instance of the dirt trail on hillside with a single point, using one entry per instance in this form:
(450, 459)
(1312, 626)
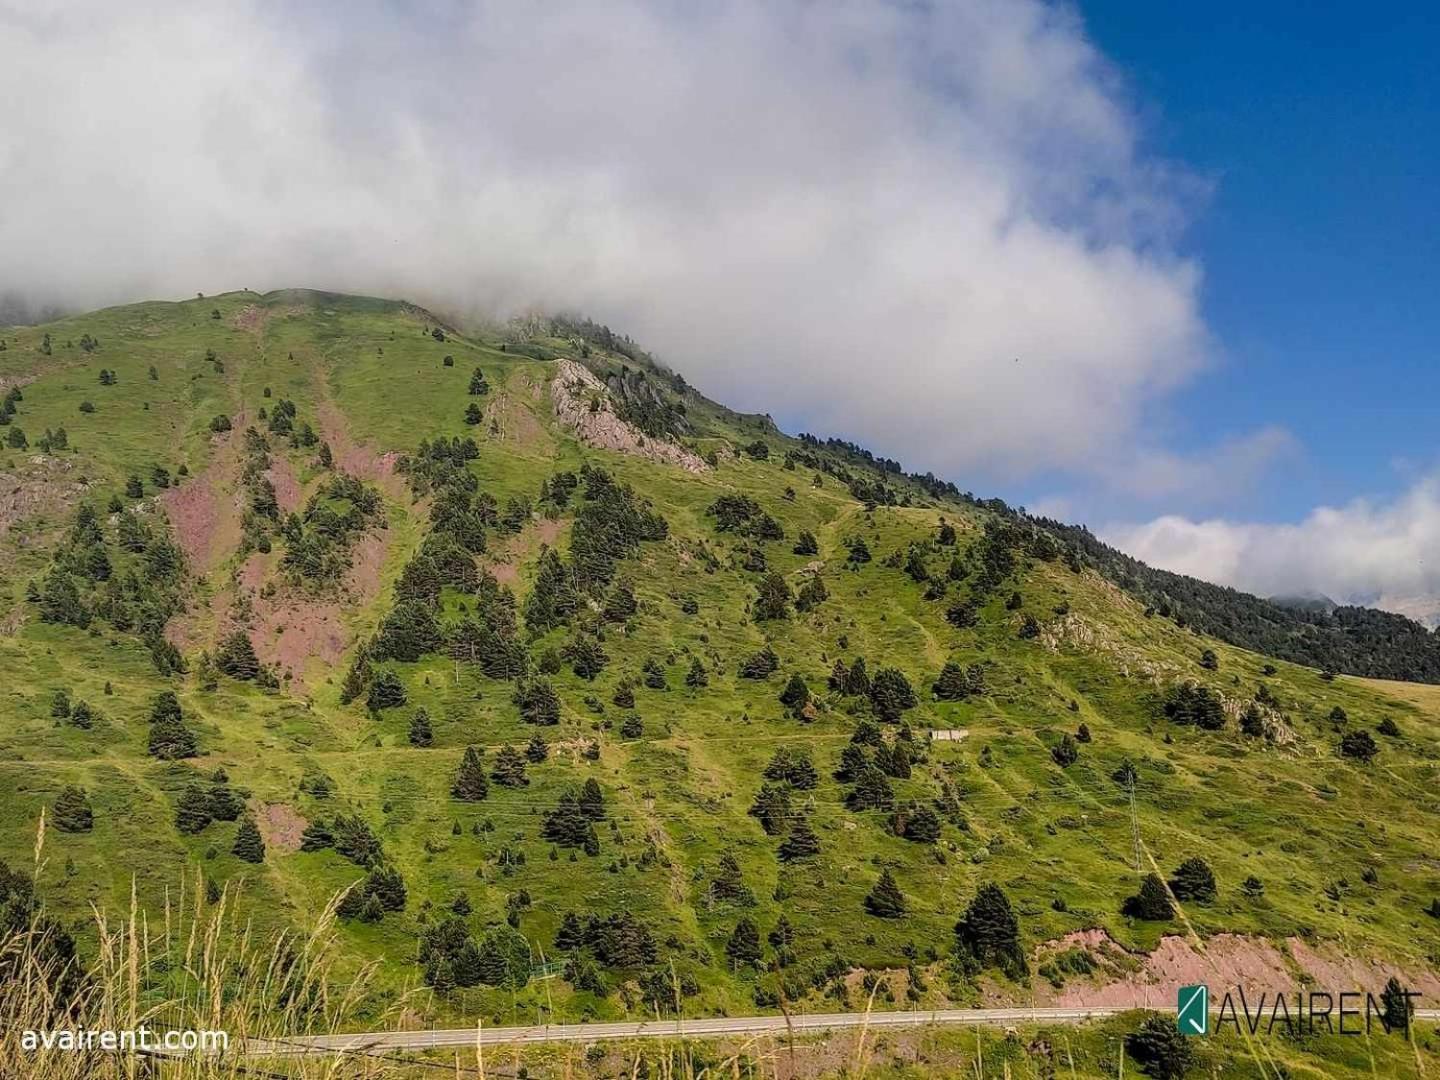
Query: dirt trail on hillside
(1257, 964)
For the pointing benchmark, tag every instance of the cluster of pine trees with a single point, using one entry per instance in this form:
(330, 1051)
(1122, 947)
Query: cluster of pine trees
(132, 581)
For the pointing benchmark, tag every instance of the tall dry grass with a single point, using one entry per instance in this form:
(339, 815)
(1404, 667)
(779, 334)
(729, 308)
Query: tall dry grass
(200, 969)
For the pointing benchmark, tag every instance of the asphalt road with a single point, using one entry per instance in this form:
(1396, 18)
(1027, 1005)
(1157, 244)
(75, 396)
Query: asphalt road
(694, 1029)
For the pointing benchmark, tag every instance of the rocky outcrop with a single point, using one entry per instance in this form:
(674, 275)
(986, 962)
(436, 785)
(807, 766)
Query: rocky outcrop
(583, 404)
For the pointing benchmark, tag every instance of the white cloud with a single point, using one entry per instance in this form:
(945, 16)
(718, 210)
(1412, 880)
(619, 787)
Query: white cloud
(1382, 552)
(927, 227)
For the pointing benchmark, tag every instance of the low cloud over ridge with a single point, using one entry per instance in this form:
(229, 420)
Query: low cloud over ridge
(927, 227)
(1377, 552)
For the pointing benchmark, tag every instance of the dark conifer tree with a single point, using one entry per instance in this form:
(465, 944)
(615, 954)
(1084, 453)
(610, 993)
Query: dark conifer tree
(890, 693)
(509, 770)
(592, 800)
(796, 694)
(421, 733)
(71, 812)
(885, 900)
(743, 948)
(989, 934)
(470, 784)
(1152, 902)
(871, 791)
(801, 841)
(1065, 752)
(386, 691)
(772, 808)
(773, 599)
(249, 845)
(1193, 880)
(236, 657)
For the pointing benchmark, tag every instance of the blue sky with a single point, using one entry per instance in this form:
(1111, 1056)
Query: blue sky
(1319, 128)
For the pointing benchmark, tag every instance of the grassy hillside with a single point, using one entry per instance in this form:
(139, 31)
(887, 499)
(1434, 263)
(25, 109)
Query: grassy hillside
(1338, 851)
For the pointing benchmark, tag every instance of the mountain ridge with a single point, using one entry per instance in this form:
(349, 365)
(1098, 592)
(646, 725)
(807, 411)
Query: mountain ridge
(519, 692)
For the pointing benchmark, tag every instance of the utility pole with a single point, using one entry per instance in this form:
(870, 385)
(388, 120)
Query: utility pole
(1134, 823)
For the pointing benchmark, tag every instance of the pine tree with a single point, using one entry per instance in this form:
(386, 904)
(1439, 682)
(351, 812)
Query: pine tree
(236, 657)
(871, 791)
(420, 731)
(171, 740)
(1152, 902)
(1396, 1009)
(796, 694)
(1359, 745)
(773, 600)
(536, 750)
(760, 665)
(1065, 752)
(538, 702)
(771, 808)
(470, 784)
(249, 845)
(386, 691)
(951, 684)
(592, 800)
(1193, 880)
(571, 934)
(696, 678)
(509, 770)
(1163, 1052)
(812, 594)
(587, 657)
(885, 900)
(806, 544)
(743, 948)
(917, 823)
(71, 811)
(473, 415)
(192, 810)
(988, 935)
(800, 843)
(890, 694)
(794, 767)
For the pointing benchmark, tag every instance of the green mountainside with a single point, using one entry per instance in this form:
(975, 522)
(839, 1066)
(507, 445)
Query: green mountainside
(603, 696)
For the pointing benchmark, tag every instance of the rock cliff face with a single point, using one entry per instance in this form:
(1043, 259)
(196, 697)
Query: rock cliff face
(584, 405)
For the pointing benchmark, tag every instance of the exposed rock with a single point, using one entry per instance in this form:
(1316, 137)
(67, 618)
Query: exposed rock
(584, 405)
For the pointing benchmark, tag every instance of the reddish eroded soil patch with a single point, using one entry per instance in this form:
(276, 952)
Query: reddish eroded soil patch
(288, 492)
(291, 627)
(1228, 960)
(280, 827)
(515, 423)
(205, 512)
(504, 560)
(355, 458)
(252, 317)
